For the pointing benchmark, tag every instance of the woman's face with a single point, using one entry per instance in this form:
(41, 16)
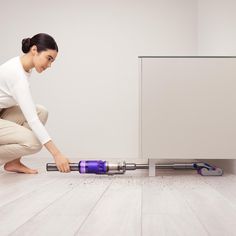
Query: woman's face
(44, 59)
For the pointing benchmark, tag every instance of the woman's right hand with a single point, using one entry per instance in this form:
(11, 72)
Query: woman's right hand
(62, 163)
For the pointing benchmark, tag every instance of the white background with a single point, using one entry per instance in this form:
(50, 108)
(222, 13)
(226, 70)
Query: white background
(92, 89)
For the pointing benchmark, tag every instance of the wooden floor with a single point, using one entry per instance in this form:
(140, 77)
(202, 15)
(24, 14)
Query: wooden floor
(172, 203)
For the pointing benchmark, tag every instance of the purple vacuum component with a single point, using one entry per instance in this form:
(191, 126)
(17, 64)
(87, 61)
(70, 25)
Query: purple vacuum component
(93, 167)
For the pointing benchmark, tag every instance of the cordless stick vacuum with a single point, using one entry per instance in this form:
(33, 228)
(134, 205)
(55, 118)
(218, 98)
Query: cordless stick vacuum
(100, 167)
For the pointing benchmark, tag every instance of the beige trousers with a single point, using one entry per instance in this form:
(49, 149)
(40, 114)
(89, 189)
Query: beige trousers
(16, 137)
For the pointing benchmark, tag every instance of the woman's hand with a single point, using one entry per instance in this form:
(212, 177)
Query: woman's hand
(62, 163)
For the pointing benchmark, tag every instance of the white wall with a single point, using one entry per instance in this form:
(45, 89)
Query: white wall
(91, 90)
(217, 27)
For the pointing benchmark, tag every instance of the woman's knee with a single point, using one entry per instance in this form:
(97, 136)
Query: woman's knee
(42, 113)
(31, 143)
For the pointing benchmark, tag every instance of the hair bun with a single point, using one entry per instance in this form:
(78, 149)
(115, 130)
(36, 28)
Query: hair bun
(26, 45)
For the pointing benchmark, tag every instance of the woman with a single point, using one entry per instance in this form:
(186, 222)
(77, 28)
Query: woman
(22, 130)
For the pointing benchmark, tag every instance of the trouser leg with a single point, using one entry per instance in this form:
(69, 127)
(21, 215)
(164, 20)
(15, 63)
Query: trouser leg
(16, 138)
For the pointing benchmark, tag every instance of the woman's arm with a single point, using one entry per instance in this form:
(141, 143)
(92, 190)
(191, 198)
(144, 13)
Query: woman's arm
(22, 95)
(61, 161)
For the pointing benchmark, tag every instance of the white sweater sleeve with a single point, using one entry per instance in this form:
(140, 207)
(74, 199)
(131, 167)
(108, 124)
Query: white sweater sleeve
(21, 93)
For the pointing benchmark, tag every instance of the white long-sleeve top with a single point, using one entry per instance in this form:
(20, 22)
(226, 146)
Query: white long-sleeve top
(14, 89)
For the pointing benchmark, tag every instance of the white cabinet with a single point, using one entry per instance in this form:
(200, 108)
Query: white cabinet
(188, 107)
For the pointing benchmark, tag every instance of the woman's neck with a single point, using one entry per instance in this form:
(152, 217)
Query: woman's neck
(26, 61)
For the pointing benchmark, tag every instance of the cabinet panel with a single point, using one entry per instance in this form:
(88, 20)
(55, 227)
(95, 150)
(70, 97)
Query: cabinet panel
(188, 107)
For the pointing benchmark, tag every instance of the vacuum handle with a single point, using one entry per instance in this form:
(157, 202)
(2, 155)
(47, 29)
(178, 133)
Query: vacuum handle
(53, 167)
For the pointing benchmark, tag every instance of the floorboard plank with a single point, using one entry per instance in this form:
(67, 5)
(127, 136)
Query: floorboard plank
(118, 212)
(13, 186)
(165, 212)
(65, 215)
(216, 213)
(16, 213)
(225, 185)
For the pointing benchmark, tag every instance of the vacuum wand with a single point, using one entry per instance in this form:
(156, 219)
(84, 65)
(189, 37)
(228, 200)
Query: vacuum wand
(103, 167)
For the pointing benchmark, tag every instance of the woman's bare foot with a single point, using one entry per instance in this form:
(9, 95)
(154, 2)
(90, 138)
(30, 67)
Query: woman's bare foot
(17, 166)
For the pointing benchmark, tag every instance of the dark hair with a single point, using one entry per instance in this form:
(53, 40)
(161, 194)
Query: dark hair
(41, 41)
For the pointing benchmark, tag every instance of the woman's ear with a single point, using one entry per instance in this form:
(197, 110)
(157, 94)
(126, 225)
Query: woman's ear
(34, 50)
